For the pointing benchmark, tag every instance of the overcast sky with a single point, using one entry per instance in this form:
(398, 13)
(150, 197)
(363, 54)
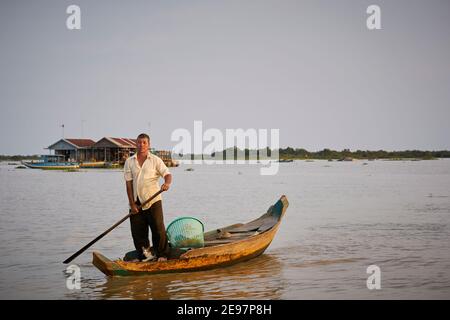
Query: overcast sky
(309, 68)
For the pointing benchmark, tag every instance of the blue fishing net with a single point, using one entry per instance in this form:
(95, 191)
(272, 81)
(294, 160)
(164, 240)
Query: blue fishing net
(186, 232)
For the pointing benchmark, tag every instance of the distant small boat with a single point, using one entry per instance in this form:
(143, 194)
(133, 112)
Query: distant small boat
(346, 159)
(189, 169)
(112, 165)
(222, 247)
(171, 163)
(93, 164)
(285, 160)
(51, 162)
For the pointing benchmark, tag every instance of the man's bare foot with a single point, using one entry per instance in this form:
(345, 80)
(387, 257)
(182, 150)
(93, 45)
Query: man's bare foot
(161, 259)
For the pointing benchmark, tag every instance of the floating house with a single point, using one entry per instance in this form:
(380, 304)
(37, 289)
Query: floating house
(166, 156)
(110, 149)
(106, 150)
(77, 150)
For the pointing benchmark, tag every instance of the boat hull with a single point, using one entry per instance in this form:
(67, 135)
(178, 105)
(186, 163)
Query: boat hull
(197, 259)
(44, 166)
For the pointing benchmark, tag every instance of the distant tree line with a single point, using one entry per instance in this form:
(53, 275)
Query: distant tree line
(325, 154)
(18, 157)
(290, 153)
(297, 153)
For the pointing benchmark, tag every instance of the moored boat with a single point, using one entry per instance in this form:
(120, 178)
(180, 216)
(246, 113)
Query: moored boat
(51, 162)
(222, 247)
(93, 164)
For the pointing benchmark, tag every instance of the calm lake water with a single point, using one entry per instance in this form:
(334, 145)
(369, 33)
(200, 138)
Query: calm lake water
(343, 217)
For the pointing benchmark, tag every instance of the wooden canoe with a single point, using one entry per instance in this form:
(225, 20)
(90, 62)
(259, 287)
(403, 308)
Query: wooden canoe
(224, 246)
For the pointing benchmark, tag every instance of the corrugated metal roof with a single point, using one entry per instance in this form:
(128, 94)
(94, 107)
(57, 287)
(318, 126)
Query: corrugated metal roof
(124, 142)
(131, 141)
(87, 143)
(81, 143)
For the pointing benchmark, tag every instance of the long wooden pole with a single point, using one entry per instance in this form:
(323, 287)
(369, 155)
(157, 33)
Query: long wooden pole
(76, 254)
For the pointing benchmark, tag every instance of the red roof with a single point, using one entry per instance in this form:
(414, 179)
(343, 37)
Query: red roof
(81, 143)
(131, 141)
(125, 142)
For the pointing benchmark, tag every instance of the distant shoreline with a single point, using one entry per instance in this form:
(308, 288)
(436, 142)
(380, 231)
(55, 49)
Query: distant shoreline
(328, 154)
(325, 154)
(302, 154)
(18, 157)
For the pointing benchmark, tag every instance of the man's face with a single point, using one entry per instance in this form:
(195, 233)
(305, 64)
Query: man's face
(142, 145)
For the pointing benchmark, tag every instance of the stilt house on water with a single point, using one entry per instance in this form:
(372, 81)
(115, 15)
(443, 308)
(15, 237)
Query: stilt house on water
(106, 150)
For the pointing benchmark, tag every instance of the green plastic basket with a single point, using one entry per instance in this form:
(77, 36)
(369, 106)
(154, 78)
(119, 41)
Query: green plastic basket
(186, 232)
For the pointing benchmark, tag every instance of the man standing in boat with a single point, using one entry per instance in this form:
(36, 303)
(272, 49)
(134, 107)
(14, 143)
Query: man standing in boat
(142, 172)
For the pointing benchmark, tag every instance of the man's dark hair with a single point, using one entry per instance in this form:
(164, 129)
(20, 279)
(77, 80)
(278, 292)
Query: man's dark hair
(144, 136)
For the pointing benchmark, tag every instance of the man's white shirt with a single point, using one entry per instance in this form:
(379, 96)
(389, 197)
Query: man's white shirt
(146, 178)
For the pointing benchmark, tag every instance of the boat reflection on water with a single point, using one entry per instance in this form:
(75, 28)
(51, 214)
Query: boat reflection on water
(259, 278)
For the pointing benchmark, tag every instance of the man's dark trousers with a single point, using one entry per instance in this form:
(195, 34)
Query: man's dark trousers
(152, 217)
